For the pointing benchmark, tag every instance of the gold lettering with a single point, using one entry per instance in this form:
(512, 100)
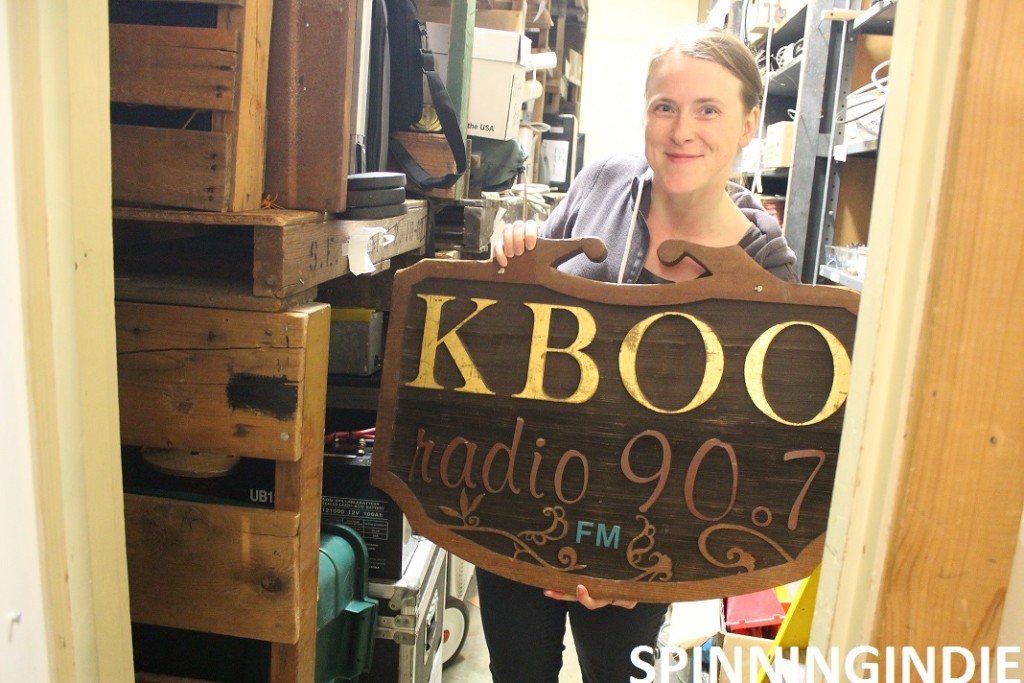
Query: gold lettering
(714, 365)
(539, 349)
(753, 373)
(467, 465)
(511, 451)
(474, 382)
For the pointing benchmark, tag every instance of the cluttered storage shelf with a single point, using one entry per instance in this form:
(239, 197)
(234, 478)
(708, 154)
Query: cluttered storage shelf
(825, 69)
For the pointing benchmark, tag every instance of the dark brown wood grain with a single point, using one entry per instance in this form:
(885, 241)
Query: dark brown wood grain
(653, 442)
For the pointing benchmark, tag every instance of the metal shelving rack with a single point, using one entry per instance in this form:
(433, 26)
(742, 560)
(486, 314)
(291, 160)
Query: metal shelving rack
(830, 33)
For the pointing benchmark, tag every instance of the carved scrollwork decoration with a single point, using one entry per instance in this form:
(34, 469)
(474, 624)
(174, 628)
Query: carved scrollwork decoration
(652, 564)
(555, 532)
(524, 542)
(737, 558)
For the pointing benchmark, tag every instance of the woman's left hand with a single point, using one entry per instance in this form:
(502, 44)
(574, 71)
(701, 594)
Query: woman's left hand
(583, 597)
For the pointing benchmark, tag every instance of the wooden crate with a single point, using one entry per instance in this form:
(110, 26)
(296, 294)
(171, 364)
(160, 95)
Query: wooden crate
(466, 224)
(188, 81)
(310, 85)
(213, 380)
(268, 260)
(185, 560)
(234, 571)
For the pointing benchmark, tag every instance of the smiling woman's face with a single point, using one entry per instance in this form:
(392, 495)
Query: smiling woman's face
(695, 124)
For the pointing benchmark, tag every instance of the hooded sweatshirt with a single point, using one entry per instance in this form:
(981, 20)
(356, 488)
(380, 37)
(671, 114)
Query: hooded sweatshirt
(600, 204)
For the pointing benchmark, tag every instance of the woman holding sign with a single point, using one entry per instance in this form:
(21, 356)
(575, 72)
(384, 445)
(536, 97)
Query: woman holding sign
(702, 95)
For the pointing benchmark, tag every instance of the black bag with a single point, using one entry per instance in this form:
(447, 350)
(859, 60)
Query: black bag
(411, 61)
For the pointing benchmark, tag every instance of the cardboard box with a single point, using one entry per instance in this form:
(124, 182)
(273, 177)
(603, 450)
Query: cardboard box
(777, 151)
(864, 117)
(558, 152)
(497, 15)
(738, 650)
(497, 75)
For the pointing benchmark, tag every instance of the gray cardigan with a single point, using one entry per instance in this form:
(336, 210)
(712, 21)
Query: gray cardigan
(600, 204)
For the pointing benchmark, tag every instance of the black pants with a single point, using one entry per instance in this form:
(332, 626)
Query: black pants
(524, 631)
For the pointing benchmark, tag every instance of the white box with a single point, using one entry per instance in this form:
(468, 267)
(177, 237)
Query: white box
(777, 151)
(496, 79)
(864, 117)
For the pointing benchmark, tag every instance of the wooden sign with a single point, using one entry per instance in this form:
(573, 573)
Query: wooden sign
(652, 442)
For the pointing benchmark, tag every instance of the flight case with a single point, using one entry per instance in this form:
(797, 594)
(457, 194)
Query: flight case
(410, 619)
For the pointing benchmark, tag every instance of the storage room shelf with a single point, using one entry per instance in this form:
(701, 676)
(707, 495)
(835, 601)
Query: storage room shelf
(879, 20)
(840, 278)
(790, 30)
(785, 81)
(863, 148)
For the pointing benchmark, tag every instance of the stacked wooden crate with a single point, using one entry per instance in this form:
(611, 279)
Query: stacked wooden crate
(189, 103)
(241, 383)
(222, 347)
(188, 91)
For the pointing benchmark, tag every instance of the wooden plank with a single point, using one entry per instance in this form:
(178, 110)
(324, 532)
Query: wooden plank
(182, 168)
(311, 84)
(297, 487)
(279, 217)
(174, 66)
(214, 380)
(303, 256)
(247, 125)
(853, 208)
(956, 518)
(215, 568)
(186, 290)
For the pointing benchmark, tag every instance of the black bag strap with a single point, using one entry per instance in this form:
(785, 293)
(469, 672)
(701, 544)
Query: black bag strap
(449, 126)
(379, 86)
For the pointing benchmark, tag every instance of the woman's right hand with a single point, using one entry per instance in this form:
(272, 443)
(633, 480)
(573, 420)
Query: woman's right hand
(518, 238)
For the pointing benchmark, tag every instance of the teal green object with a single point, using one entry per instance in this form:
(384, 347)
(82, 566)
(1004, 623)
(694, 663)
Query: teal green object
(346, 617)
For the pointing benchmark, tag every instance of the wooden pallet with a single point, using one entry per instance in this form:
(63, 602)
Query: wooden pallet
(189, 102)
(267, 260)
(236, 383)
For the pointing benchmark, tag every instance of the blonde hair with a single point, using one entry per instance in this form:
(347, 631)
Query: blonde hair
(714, 44)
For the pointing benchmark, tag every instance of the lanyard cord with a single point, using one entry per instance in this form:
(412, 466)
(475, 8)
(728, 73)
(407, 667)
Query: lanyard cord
(632, 229)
